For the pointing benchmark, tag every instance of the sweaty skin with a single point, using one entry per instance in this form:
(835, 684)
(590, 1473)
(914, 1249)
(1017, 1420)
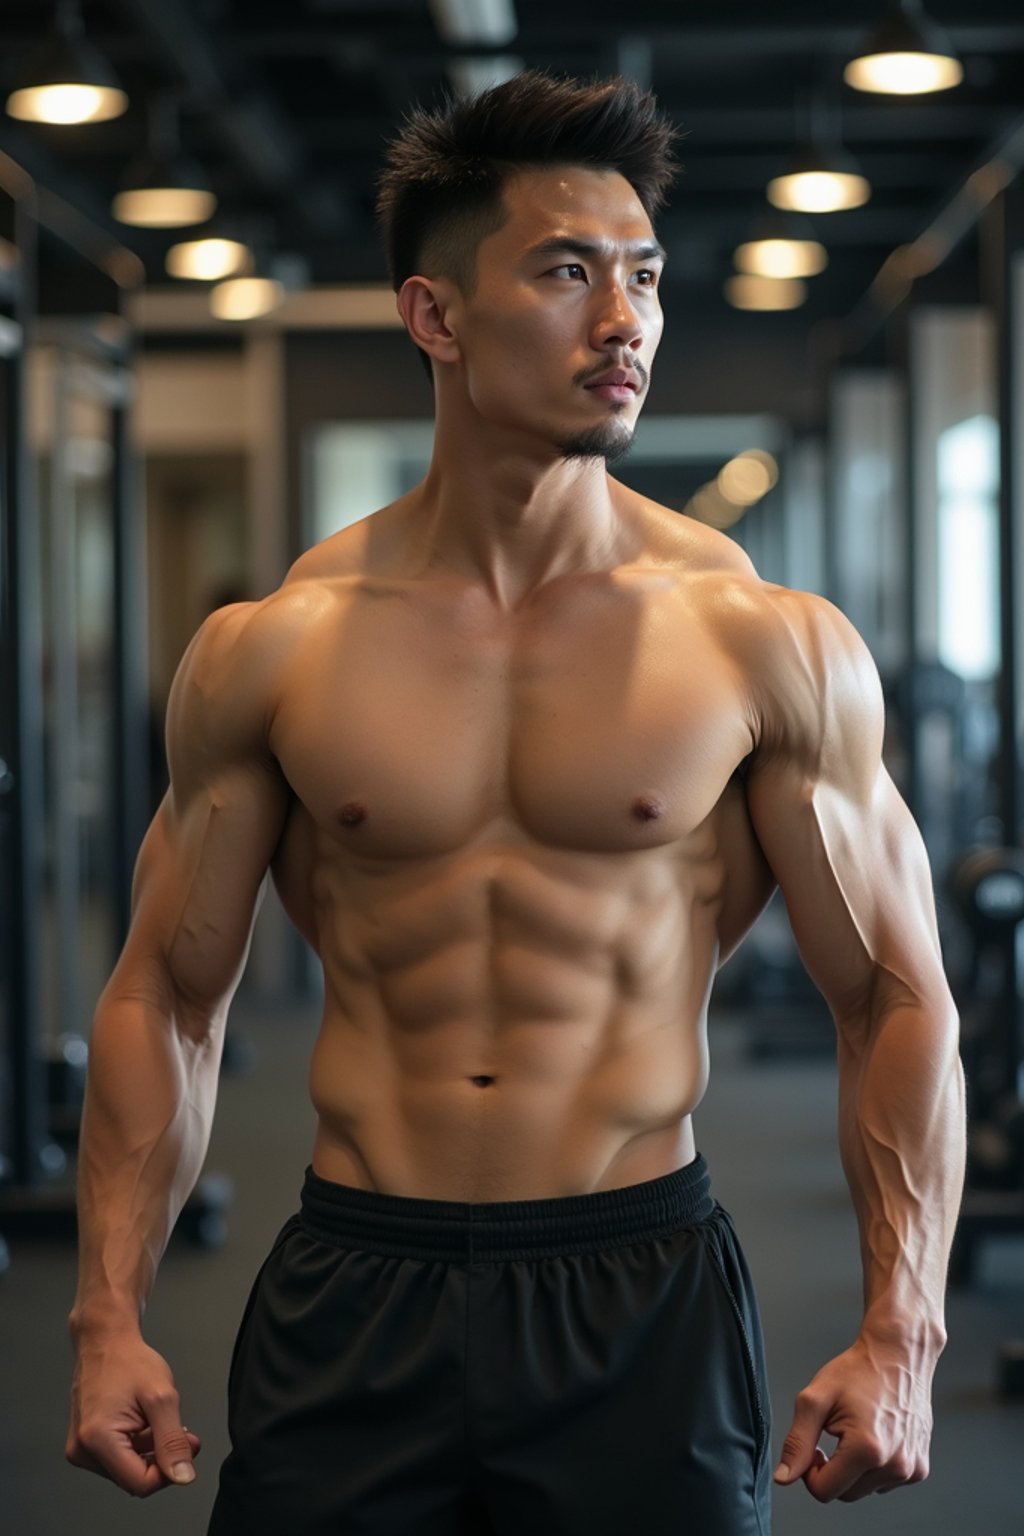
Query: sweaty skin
(526, 755)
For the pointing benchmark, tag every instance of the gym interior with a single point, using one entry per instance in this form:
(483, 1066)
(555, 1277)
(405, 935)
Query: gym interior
(840, 389)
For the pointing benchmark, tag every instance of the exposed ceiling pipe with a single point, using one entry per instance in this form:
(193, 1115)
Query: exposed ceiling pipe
(997, 167)
(255, 132)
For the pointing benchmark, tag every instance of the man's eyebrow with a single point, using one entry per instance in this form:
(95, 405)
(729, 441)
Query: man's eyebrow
(645, 250)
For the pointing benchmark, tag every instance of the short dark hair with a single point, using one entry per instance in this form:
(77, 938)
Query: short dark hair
(440, 192)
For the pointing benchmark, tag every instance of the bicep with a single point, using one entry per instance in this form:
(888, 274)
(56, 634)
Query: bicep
(208, 848)
(854, 874)
(199, 878)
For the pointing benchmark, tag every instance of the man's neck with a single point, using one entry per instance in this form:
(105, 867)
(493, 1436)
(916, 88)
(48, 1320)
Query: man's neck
(504, 510)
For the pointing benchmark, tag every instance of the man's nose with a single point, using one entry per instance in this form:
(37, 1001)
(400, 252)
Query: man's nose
(617, 320)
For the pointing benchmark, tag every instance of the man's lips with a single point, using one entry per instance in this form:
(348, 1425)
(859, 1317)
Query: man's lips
(618, 378)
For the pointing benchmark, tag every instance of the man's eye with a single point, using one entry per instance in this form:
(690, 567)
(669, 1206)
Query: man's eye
(570, 266)
(652, 277)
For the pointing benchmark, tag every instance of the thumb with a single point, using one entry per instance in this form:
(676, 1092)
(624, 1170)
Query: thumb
(172, 1448)
(800, 1449)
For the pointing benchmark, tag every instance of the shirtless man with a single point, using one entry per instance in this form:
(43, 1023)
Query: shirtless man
(526, 755)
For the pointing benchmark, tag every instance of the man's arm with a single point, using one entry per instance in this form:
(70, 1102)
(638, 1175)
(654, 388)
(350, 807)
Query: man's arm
(157, 1036)
(854, 874)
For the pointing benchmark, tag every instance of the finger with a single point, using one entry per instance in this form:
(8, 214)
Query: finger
(142, 1442)
(109, 1454)
(848, 1465)
(172, 1447)
(875, 1482)
(800, 1446)
(896, 1474)
(820, 1460)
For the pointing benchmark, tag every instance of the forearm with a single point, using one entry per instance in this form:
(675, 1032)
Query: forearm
(902, 1140)
(145, 1129)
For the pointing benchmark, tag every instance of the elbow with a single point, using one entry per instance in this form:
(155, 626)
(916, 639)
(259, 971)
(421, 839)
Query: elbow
(148, 991)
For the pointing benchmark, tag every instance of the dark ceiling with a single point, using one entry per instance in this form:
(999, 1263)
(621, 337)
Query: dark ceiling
(287, 107)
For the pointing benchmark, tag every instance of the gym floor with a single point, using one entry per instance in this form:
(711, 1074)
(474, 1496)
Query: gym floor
(768, 1131)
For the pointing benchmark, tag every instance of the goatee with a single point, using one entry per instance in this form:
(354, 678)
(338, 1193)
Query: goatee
(602, 442)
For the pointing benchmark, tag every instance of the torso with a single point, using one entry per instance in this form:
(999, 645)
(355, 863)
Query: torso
(519, 845)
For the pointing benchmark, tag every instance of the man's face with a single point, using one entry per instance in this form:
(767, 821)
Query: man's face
(567, 293)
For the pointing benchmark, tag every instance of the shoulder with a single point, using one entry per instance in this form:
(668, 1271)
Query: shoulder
(263, 635)
(232, 672)
(812, 682)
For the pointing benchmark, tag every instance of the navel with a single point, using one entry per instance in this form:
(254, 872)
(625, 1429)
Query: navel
(352, 814)
(482, 1082)
(648, 808)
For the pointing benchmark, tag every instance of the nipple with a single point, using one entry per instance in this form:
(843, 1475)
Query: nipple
(352, 814)
(648, 808)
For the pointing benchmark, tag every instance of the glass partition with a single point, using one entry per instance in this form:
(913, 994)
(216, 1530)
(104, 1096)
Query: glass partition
(951, 699)
(868, 444)
(70, 436)
(353, 468)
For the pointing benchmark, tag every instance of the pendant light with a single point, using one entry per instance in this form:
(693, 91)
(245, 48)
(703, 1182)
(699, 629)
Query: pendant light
(209, 259)
(781, 245)
(159, 189)
(906, 55)
(66, 80)
(820, 176)
(745, 291)
(819, 179)
(245, 298)
(260, 290)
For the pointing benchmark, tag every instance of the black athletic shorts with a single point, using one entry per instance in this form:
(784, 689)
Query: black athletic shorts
(581, 1366)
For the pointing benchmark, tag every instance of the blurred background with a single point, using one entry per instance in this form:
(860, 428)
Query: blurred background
(202, 374)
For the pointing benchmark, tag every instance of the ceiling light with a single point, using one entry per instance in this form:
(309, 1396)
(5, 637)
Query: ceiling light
(244, 298)
(781, 258)
(208, 259)
(746, 292)
(159, 189)
(471, 76)
(781, 245)
(906, 55)
(66, 80)
(819, 179)
(475, 21)
(164, 197)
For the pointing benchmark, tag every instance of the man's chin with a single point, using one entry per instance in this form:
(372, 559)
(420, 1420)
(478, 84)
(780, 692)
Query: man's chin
(609, 440)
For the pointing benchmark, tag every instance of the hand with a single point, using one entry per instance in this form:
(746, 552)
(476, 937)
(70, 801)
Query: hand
(880, 1410)
(126, 1417)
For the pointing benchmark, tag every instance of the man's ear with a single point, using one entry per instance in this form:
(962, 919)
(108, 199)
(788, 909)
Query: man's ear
(425, 305)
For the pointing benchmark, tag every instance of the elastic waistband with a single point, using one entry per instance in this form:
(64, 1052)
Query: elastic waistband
(455, 1231)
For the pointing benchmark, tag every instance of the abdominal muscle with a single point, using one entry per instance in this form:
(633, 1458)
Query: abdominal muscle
(495, 1067)
(508, 1131)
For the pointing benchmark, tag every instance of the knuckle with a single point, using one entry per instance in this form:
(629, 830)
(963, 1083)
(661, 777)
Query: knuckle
(89, 1438)
(163, 1398)
(872, 1451)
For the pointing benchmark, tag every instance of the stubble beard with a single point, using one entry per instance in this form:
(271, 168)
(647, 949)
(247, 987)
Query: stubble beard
(608, 441)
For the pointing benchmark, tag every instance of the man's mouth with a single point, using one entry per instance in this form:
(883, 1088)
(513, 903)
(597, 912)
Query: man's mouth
(618, 387)
(616, 379)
